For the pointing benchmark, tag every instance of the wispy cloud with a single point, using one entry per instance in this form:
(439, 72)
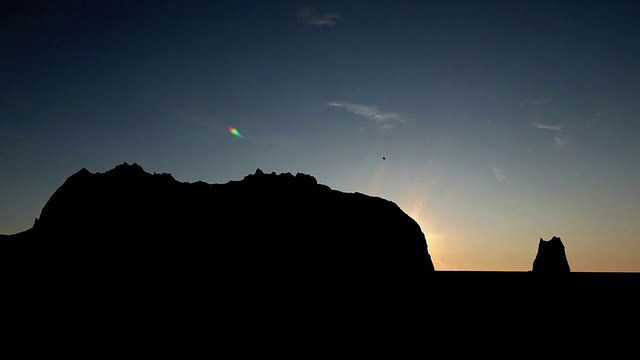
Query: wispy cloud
(500, 176)
(384, 119)
(559, 140)
(309, 17)
(546, 127)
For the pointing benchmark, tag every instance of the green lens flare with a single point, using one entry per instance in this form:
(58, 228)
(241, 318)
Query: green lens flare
(234, 131)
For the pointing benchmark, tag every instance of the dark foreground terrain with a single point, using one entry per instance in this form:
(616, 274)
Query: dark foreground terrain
(464, 313)
(451, 292)
(274, 264)
(559, 291)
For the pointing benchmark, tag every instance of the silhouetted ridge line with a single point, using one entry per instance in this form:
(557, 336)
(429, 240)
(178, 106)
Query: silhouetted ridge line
(280, 228)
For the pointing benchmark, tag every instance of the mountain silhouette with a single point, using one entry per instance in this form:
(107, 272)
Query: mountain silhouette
(275, 261)
(279, 228)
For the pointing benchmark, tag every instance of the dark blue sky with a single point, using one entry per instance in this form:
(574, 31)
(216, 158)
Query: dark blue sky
(501, 121)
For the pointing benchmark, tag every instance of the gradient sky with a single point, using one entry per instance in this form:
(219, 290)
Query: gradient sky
(502, 122)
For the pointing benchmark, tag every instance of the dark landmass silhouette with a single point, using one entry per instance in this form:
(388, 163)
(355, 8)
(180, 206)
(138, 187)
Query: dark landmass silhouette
(271, 257)
(551, 257)
(279, 228)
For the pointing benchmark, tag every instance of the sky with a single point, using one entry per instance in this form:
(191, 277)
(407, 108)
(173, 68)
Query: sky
(500, 122)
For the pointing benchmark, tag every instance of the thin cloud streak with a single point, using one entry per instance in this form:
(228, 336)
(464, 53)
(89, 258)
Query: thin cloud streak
(309, 17)
(560, 142)
(386, 120)
(547, 127)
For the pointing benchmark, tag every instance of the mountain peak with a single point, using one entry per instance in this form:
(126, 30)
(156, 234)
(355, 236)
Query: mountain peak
(126, 168)
(82, 173)
(285, 179)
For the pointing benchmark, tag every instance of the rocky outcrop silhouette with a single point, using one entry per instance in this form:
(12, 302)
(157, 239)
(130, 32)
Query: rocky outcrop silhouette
(551, 257)
(280, 229)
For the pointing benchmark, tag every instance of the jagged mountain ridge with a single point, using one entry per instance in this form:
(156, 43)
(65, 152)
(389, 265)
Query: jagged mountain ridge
(265, 225)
